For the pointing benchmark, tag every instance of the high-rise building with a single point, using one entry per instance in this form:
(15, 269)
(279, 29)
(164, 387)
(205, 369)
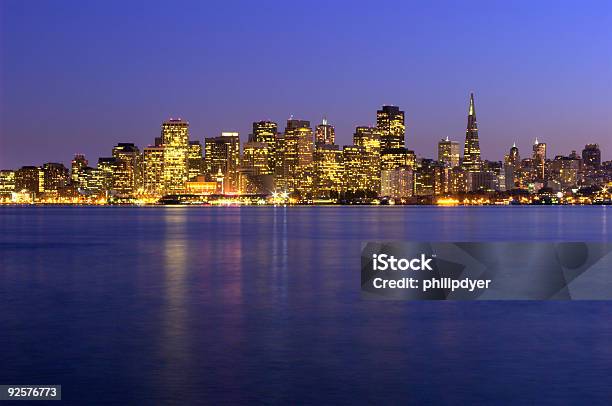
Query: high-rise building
(512, 165)
(397, 183)
(7, 182)
(591, 156)
(255, 175)
(298, 154)
(369, 139)
(29, 179)
(127, 176)
(325, 133)
(153, 170)
(355, 168)
(55, 176)
(539, 159)
(328, 170)
(448, 153)
(195, 160)
(471, 149)
(175, 140)
(390, 123)
(266, 131)
(428, 178)
(79, 163)
(107, 167)
(396, 157)
(222, 155)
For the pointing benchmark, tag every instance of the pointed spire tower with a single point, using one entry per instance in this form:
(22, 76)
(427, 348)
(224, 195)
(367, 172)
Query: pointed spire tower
(471, 149)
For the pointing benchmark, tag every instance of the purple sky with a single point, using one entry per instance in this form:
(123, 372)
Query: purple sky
(81, 76)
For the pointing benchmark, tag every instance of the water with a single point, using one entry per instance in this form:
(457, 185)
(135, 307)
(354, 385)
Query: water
(261, 304)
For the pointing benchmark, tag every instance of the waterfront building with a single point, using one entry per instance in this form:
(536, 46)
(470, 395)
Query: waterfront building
(108, 170)
(356, 170)
(328, 170)
(369, 139)
(7, 182)
(397, 183)
(448, 153)
(390, 124)
(428, 178)
(195, 160)
(78, 164)
(127, 175)
(55, 176)
(175, 140)
(153, 170)
(471, 150)
(297, 156)
(29, 179)
(223, 156)
(266, 131)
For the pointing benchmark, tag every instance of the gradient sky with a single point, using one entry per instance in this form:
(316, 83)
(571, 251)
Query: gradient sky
(80, 76)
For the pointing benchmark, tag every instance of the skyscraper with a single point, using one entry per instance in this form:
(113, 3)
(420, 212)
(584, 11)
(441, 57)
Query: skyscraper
(223, 156)
(448, 153)
(78, 164)
(471, 149)
(390, 123)
(153, 170)
(369, 139)
(266, 131)
(591, 156)
(55, 176)
(325, 133)
(298, 155)
(127, 175)
(539, 159)
(195, 160)
(175, 140)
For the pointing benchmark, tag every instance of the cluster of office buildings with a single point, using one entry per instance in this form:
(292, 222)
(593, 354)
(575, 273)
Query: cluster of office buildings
(305, 164)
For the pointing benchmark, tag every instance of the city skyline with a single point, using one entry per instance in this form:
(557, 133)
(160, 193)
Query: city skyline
(110, 76)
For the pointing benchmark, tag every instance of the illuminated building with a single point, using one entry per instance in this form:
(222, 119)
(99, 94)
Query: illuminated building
(223, 155)
(390, 124)
(30, 179)
(397, 183)
(255, 175)
(55, 176)
(93, 181)
(325, 134)
(565, 171)
(200, 186)
(7, 182)
(153, 170)
(396, 157)
(591, 156)
(471, 149)
(369, 139)
(297, 156)
(428, 178)
(107, 166)
(458, 180)
(127, 174)
(175, 140)
(539, 159)
(79, 163)
(266, 131)
(255, 157)
(328, 171)
(195, 160)
(448, 153)
(356, 169)
(512, 163)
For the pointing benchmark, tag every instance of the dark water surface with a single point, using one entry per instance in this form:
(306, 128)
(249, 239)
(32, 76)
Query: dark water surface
(261, 304)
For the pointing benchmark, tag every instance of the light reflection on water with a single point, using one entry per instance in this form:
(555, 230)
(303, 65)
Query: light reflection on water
(263, 304)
